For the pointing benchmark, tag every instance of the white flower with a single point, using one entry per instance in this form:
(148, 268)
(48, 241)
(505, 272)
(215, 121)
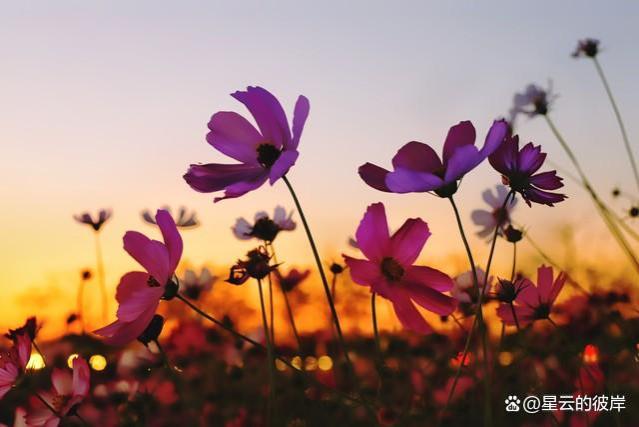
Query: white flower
(489, 219)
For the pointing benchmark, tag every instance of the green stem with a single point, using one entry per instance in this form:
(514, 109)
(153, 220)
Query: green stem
(622, 127)
(270, 359)
(601, 207)
(318, 261)
(101, 278)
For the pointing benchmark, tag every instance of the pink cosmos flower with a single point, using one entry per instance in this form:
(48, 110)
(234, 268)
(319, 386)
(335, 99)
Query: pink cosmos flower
(534, 302)
(264, 228)
(13, 364)
(96, 223)
(494, 217)
(139, 292)
(389, 270)
(417, 168)
(264, 154)
(519, 171)
(69, 390)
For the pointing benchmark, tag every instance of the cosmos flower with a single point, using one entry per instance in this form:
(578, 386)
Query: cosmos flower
(495, 216)
(256, 265)
(586, 47)
(264, 154)
(264, 228)
(533, 302)
(464, 287)
(69, 390)
(30, 328)
(417, 168)
(532, 102)
(194, 284)
(292, 279)
(139, 292)
(13, 365)
(103, 216)
(389, 270)
(518, 169)
(184, 219)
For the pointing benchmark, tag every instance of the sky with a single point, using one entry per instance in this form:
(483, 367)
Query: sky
(105, 104)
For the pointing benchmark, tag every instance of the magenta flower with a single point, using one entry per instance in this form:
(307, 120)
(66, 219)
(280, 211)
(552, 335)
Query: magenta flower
(533, 302)
(14, 364)
(139, 292)
(417, 168)
(586, 47)
(69, 390)
(495, 216)
(96, 223)
(519, 167)
(267, 153)
(389, 270)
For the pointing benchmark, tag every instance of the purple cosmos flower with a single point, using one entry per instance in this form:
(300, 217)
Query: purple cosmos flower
(494, 217)
(257, 265)
(533, 302)
(389, 270)
(184, 218)
(195, 284)
(533, 101)
(267, 153)
(417, 168)
(97, 223)
(519, 167)
(264, 228)
(292, 279)
(586, 47)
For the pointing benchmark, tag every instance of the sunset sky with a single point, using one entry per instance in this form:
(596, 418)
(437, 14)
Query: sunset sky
(105, 104)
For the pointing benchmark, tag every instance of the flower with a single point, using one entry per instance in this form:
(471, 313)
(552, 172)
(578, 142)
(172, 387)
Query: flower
(533, 101)
(69, 390)
(586, 47)
(265, 154)
(139, 292)
(30, 328)
(103, 216)
(533, 302)
(195, 284)
(264, 228)
(14, 364)
(509, 290)
(292, 279)
(495, 217)
(417, 168)
(464, 287)
(389, 270)
(519, 167)
(256, 265)
(184, 219)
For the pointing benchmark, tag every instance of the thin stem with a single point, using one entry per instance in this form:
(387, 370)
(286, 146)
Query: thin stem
(318, 261)
(51, 408)
(512, 309)
(82, 420)
(80, 304)
(512, 271)
(271, 309)
(291, 319)
(622, 127)
(101, 278)
(261, 347)
(601, 207)
(378, 347)
(39, 351)
(270, 359)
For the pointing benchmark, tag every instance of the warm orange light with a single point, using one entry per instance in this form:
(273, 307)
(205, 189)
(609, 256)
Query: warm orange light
(281, 366)
(36, 361)
(325, 363)
(456, 361)
(505, 358)
(98, 362)
(310, 364)
(70, 360)
(297, 362)
(591, 354)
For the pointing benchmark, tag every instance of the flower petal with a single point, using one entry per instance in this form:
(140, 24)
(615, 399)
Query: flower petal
(374, 176)
(464, 160)
(268, 114)
(547, 180)
(171, 236)
(282, 165)
(300, 114)
(417, 156)
(363, 272)
(62, 382)
(407, 243)
(460, 135)
(213, 177)
(431, 277)
(372, 234)
(241, 188)
(407, 181)
(495, 137)
(81, 377)
(409, 316)
(151, 254)
(234, 136)
(429, 298)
